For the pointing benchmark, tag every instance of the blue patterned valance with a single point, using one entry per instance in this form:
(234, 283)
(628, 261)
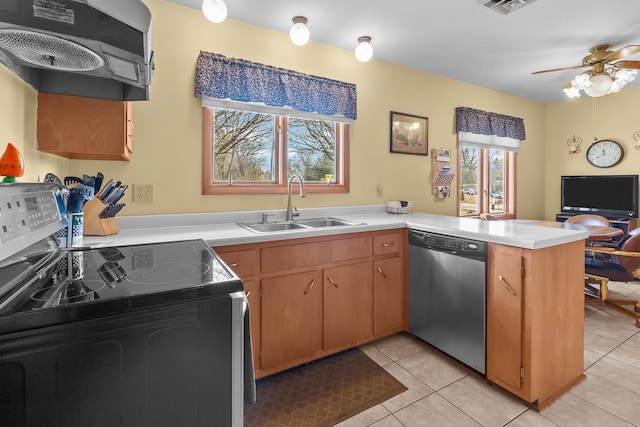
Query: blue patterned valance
(239, 80)
(485, 123)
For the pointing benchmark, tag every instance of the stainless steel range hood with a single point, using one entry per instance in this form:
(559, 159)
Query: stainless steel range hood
(91, 48)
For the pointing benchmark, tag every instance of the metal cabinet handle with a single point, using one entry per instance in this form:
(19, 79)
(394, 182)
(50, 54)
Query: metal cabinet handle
(235, 264)
(506, 285)
(332, 281)
(381, 272)
(309, 286)
(386, 245)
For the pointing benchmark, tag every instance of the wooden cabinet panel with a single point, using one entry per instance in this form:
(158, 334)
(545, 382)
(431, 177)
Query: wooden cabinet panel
(288, 257)
(535, 338)
(347, 305)
(244, 263)
(387, 243)
(388, 295)
(84, 128)
(291, 319)
(504, 317)
(252, 290)
(290, 327)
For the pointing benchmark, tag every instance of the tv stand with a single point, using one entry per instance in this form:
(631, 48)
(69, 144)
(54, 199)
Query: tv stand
(625, 224)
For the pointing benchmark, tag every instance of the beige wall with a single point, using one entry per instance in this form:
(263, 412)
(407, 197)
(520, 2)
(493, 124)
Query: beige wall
(167, 141)
(613, 117)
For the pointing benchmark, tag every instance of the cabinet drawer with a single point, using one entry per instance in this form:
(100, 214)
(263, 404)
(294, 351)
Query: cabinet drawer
(308, 254)
(386, 244)
(244, 263)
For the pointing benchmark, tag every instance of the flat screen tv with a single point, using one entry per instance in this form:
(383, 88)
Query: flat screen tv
(612, 196)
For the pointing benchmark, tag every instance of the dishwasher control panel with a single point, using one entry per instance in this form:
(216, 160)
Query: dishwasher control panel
(455, 245)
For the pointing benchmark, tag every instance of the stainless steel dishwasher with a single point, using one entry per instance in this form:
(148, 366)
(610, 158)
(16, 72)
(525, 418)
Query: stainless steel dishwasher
(447, 295)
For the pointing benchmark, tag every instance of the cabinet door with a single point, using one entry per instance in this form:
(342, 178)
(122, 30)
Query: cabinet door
(348, 302)
(84, 128)
(252, 290)
(504, 317)
(244, 263)
(291, 319)
(388, 295)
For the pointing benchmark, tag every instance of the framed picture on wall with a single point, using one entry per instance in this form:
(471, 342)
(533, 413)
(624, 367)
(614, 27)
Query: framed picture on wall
(409, 134)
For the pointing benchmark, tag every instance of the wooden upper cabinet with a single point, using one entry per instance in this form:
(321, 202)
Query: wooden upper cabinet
(84, 128)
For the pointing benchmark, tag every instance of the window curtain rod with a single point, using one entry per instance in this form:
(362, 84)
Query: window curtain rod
(243, 85)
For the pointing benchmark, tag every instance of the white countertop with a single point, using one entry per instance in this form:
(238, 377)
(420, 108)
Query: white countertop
(220, 229)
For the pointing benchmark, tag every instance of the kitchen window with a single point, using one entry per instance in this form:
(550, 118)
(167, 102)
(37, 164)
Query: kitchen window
(487, 181)
(487, 147)
(247, 152)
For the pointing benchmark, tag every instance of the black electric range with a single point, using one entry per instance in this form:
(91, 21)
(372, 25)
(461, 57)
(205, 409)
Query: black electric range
(72, 285)
(150, 334)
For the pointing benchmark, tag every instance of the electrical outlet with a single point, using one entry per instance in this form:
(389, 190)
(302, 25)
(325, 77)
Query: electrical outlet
(379, 191)
(143, 193)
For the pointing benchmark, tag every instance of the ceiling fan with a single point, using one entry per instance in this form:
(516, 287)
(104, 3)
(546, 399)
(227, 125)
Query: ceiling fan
(606, 75)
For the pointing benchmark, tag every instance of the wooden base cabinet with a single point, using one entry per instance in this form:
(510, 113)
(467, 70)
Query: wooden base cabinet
(291, 319)
(348, 305)
(389, 293)
(313, 297)
(535, 320)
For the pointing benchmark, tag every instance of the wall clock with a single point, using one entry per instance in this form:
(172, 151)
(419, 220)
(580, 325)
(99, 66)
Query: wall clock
(605, 153)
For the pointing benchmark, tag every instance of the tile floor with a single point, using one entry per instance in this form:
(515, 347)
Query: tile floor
(443, 393)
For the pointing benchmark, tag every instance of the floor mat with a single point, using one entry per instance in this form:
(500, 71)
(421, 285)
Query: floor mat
(321, 393)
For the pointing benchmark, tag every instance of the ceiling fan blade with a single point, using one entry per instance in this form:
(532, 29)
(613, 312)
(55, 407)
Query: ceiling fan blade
(560, 69)
(621, 53)
(627, 64)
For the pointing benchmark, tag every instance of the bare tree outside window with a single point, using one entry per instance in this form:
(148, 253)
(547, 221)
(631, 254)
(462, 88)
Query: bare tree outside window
(247, 152)
(311, 149)
(487, 181)
(469, 202)
(244, 146)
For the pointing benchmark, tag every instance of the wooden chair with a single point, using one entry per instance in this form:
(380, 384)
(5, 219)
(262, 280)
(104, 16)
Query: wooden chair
(489, 217)
(589, 219)
(620, 264)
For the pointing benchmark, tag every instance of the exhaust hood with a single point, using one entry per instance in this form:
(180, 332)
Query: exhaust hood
(90, 48)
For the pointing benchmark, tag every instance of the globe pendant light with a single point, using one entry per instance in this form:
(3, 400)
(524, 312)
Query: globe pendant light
(600, 85)
(299, 33)
(364, 50)
(214, 10)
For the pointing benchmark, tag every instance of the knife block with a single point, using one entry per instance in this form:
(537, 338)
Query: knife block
(93, 224)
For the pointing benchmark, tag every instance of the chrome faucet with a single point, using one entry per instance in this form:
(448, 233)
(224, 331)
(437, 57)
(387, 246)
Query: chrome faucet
(290, 213)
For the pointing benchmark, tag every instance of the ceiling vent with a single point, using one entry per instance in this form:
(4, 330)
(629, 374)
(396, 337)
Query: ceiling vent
(505, 7)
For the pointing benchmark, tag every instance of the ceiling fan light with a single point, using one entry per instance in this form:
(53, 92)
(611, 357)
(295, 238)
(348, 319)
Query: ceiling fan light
(214, 10)
(616, 86)
(299, 33)
(625, 75)
(600, 85)
(364, 50)
(581, 81)
(572, 92)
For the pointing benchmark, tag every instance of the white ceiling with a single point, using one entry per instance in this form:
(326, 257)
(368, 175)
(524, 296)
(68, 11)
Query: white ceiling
(461, 39)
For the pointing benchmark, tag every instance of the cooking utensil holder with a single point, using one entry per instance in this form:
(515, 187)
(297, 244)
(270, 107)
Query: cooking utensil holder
(93, 224)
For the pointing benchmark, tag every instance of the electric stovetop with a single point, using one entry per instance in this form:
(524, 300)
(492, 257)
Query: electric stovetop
(75, 285)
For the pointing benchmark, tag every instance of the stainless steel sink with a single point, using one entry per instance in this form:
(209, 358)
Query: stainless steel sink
(326, 222)
(301, 224)
(271, 226)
